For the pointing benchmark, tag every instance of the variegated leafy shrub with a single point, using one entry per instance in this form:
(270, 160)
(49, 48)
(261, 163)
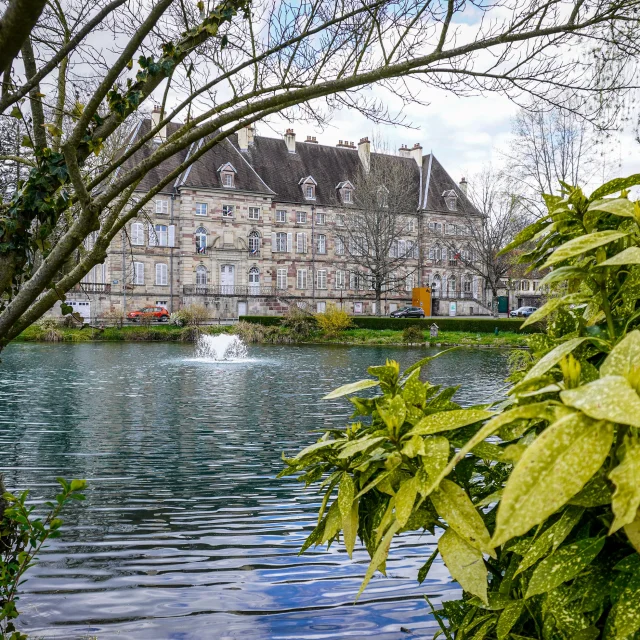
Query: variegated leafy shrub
(536, 499)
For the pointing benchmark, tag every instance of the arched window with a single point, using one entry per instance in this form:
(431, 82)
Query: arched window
(201, 240)
(436, 285)
(254, 279)
(201, 275)
(254, 243)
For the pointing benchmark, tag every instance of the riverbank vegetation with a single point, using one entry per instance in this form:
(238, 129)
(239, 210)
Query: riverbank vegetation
(536, 497)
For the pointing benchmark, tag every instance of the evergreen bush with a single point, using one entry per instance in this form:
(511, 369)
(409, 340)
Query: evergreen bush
(536, 497)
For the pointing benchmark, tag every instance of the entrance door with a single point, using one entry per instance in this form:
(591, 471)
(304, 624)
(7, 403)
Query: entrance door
(227, 278)
(242, 309)
(82, 307)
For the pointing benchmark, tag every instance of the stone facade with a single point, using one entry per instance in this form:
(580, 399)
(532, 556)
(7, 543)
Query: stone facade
(252, 227)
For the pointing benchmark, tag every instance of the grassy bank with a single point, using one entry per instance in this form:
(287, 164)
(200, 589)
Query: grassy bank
(170, 333)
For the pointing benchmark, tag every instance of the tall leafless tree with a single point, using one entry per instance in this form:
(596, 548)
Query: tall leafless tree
(85, 68)
(503, 215)
(376, 235)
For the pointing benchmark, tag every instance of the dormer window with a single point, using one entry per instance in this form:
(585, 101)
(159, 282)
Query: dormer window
(308, 185)
(345, 190)
(451, 199)
(383, 197)
(227, 175)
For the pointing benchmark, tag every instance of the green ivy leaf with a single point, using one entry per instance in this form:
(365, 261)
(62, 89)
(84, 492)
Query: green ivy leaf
(558, 464)
(626, 478)
(565, 564)
(465, 563)
(610, 398)
(582, 244)
(448, 420)
(455, 507)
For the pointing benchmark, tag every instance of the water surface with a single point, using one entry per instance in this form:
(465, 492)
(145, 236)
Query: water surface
(185, 532)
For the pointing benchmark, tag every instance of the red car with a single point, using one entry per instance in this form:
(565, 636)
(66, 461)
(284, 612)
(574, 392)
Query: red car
(158, 313)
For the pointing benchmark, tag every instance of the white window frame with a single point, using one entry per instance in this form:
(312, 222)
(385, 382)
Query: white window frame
(347, 196)
(137, 276)
(301, 242)
(228, 210)
(137, 234)
(301, 278)
(281, 242)
(254, 238)
(162, 206)
(321, 218)
(339, 246)
(339, 219)
(281, 279)
(201, 269)
(162, 274)
(321, 279)
(200, 249)
(309, 192)
(321, 243)
(340, 279)
(254, 213)
(162, 235)
(228, 179)
(301, 217)
(281, 215)
(202, 208)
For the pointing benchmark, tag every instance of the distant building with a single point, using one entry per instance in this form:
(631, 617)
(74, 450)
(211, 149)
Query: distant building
(250, 228)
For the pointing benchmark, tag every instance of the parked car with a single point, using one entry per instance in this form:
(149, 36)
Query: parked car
(407, 312)
(157, 313)
(522, 312)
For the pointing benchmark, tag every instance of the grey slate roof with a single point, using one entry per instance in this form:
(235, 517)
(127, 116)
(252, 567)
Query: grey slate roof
(268, 167)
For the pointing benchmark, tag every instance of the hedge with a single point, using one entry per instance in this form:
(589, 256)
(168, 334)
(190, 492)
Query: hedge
(470, 323)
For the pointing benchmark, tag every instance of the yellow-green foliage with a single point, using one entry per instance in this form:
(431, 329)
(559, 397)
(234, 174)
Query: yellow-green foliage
(538, 496)
(333, 321)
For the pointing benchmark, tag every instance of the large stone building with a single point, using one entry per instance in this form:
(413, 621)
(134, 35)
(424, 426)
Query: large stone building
(253, 225)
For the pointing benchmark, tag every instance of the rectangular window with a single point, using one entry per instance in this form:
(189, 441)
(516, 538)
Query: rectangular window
(411, 225)
(355, 281)
(346, 196)
(321, 278)
(339, 246)
(162, 235)
(409, 282)
(281, 242)
(161, 274)
(281, 216)
(320, 218)
(227, 211)
(301, 243)
(162, 206)
(451, 229)
(301, 217)
(137, 233)
(339, 219)
(321, 244)
(340, 280)
(281, 279)
(301, 280)
(202, 208)
(309, 191)
(137, 276)
(227, 179)
(254, 213)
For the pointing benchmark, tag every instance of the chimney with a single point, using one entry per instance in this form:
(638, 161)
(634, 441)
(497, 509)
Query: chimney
(155, 121)
(463, 185)
(245, 137)
(416, 153)
(311, 140)
(404, 152)
(364, 153)
(290, 139)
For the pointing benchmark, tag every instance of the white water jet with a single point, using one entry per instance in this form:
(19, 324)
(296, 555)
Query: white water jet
(223, 347)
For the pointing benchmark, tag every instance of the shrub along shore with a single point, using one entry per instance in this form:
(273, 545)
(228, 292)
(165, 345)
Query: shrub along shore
(400, 332)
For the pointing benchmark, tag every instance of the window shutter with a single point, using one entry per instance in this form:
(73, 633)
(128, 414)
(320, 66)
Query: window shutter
(153, 240)
(289, 242)
(304, 242)
(172, 235)
(158, 273)
(273, 241)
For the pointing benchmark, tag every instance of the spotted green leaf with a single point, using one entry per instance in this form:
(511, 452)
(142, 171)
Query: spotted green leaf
(618, 206)
(421, 363)
(624, 357)
(346, 492)
(414, 391)
(626, 478)
(379, 557)
(413, 447)
(565, 564)
(557, 465)
(633, 532)
(609, 398)
(332, 523)
(631, 255)
(508, 618)
(562, 274)
(552, 538)
(582, 244)
(350, 528)
(352, 387)
(465, 563)
(615, 186)
(316, 446)
(447, 420)
(552, 358)
(455, 507)
(624, 619)
(392, 412)
(552, 305)
(405, 498)
(357, 446)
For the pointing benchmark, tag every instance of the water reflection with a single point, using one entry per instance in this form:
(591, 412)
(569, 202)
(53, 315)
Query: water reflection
(185, 532)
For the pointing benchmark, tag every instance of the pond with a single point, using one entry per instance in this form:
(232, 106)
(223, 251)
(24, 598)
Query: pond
(185, 532)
